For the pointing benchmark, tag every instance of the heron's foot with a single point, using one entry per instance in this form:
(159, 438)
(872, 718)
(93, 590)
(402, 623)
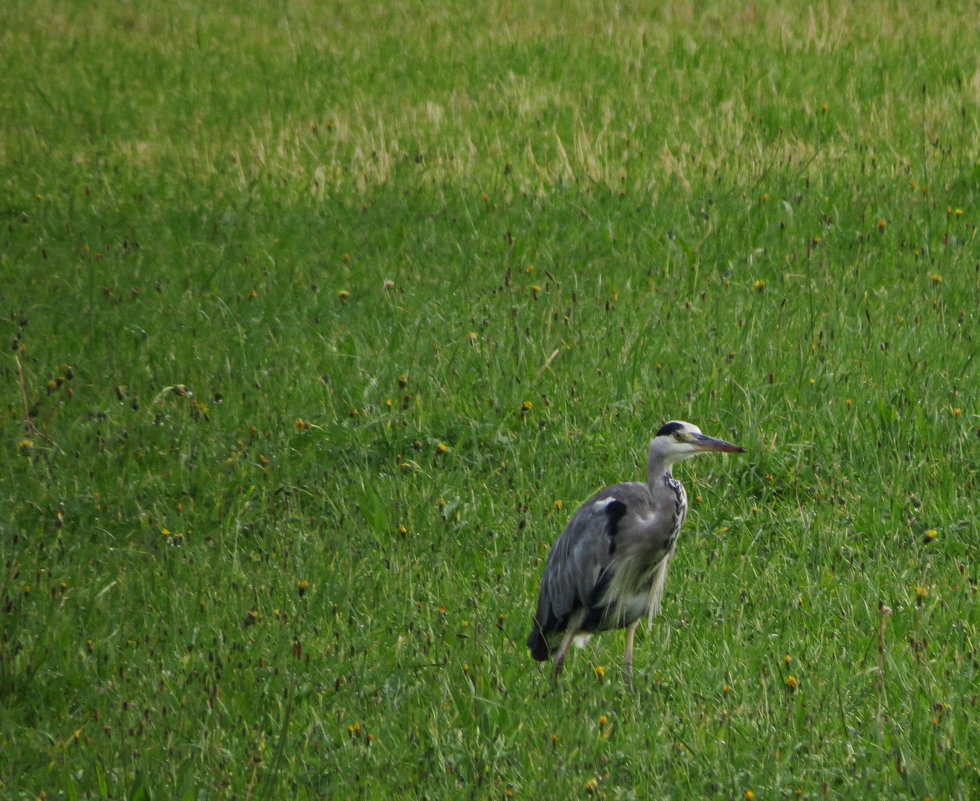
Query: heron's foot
(559, 664)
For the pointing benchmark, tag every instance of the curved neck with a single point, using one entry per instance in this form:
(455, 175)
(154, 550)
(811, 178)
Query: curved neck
(659, 465)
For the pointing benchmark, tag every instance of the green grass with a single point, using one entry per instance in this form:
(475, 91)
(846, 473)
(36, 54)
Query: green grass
(281, 279)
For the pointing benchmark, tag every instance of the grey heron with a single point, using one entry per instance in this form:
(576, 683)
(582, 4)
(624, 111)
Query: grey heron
(607, 569)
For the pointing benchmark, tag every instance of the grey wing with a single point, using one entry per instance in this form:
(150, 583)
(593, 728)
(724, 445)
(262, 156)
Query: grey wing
(574, 571)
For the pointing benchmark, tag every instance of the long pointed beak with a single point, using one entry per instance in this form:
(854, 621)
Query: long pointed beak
(706, 443)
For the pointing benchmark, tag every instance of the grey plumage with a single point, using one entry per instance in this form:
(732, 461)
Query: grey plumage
(607, 569)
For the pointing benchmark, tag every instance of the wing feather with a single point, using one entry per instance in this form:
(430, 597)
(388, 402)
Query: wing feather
(575, 567)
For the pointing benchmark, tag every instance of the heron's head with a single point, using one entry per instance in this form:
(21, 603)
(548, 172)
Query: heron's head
(678, 440)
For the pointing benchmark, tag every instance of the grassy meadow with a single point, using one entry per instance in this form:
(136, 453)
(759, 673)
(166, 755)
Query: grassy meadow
(319, 320)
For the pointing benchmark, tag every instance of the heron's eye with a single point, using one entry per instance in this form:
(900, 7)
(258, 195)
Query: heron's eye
(678, 436)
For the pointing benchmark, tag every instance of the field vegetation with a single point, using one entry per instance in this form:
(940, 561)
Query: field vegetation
(320, 318)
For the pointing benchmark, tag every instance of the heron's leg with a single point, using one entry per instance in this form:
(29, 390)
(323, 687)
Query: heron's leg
(566, 641)
(628, 659)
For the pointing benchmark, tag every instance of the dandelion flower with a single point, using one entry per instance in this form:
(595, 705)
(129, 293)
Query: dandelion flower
(758, 284)
(792, 683)
(600, 671)
(343, 294)
(936, 278)
(931, 534)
